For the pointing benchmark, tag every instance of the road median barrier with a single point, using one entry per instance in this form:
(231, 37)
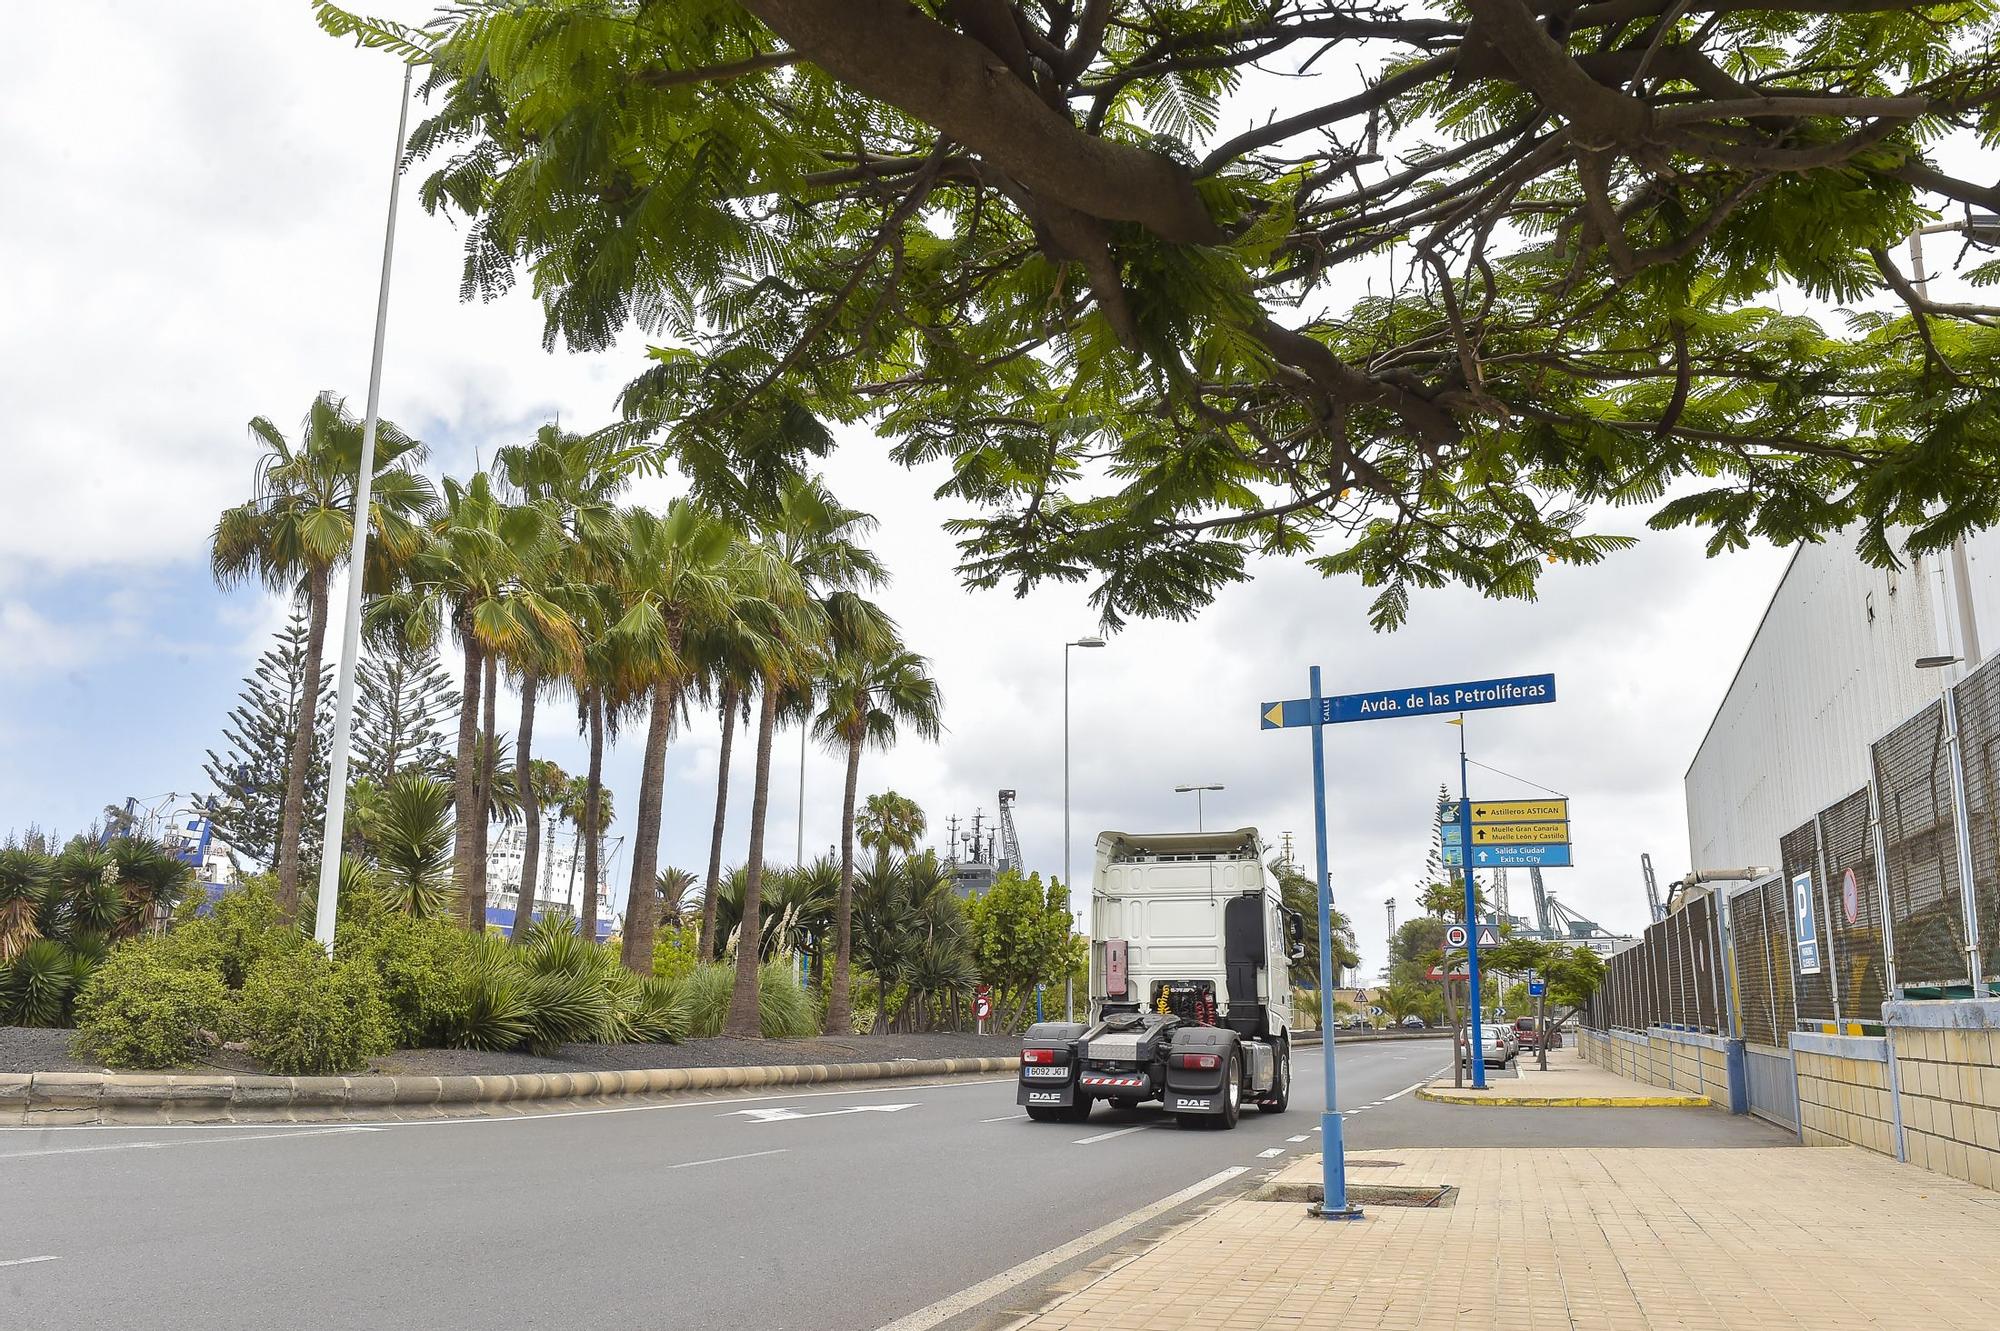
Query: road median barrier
(32, 1098)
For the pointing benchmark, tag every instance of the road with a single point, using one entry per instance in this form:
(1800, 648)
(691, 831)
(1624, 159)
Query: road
(843, 1210)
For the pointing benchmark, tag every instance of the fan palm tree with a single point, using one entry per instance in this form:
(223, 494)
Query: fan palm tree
(575, 479)
(476, 571)
(676, 888)
(672, 579)
(871, 691)
(586, 803)
(890, 823)
(819, 540)
(295, 530)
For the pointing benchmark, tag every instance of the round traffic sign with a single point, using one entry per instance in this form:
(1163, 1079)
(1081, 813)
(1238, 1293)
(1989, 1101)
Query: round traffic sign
(1850, 896)
(1454, 935)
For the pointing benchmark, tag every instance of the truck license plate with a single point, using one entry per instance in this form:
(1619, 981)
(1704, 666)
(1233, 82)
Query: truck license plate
(1041, 1070)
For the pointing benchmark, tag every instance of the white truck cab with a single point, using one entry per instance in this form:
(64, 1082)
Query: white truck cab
(1190, 995)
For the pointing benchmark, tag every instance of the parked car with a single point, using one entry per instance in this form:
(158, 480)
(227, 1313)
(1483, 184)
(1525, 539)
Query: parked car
(1497, 1045)
(1413, 1022)
(1528, 1033)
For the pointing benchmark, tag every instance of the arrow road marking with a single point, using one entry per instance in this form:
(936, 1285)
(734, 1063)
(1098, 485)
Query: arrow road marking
(783, 1115)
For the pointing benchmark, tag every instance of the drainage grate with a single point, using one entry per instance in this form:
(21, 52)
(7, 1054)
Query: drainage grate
(1428, 1197)
(1374, 1164)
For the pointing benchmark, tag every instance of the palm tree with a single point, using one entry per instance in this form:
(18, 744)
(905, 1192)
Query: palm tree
(587, 805)
(818, 539)
(550, 783)
(575, 480)
(477, 570)
(890, 823)
(411, 836)
(672, 579)
(295, 530)
(676, 891)
(869, 693)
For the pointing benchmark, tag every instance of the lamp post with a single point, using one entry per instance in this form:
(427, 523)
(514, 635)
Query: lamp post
(350, 630)
(1089, 640)
(1182, 790)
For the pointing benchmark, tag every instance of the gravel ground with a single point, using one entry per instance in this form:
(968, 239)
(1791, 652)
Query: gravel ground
(28, 1050)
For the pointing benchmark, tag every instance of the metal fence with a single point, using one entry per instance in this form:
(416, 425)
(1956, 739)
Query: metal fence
(1899, 882)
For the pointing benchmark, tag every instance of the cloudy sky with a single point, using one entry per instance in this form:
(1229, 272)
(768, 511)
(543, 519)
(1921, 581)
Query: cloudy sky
(191, 238)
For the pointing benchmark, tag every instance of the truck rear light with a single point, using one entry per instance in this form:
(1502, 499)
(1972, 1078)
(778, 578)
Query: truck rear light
(1198, 1062)
(1038, 1055)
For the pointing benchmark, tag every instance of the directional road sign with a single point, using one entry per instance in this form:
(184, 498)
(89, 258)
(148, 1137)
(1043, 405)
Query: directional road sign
(1519, 834)
(1520, 811)
(1516, 857)
(1423, 700)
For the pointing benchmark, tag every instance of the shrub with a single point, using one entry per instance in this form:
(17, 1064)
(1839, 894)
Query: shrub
(706, 991)
(304, 1015)
(242, 931)
(676, 952)
(421, 965)
(145, 1008)
(566, 1007)
(784, 1009)
(494, 1012)
(35, 987)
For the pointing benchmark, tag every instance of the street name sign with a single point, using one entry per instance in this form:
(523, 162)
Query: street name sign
(1519, 834)
(1518, 857)
(1519, 811)
(1423, 700)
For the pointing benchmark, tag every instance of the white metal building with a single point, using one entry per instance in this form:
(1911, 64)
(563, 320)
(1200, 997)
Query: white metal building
(1830, 669)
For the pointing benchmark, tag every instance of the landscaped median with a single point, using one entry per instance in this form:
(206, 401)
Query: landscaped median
(109, 1097)
(1569, 1083)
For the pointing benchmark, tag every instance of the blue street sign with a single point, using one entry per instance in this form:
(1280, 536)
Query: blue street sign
(1451, 834)
(1536, 988)
(1805, 923)
(1519, 857)
(1426, 699)
(1454, 857)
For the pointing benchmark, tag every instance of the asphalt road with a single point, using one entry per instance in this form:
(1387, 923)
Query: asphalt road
(843, 1210)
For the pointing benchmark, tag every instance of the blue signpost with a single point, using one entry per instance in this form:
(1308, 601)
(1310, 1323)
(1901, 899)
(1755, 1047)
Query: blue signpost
(1319, 711)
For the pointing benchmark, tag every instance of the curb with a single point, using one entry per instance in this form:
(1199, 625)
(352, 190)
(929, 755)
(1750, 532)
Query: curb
(1457, 1097)
(85, 1097)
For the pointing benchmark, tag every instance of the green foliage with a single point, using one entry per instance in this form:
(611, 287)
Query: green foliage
(146, 1007)
(1023, 934)
(35, 987)
(493, 1008)
(249, 773)
(1426, 329)
(784, 1009)
(412, 841)
(304, 1015)
(676, 951)
(421, 966)
(706, 991)
(243, 929)
(1296, 887)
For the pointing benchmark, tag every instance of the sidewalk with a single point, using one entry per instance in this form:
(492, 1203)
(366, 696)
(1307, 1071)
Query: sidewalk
(1757, 1239)
(1569, 1083)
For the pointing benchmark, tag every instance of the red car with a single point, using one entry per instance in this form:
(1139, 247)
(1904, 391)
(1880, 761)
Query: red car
(1531, 1035)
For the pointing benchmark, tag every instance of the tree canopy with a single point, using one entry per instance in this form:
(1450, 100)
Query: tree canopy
(1418, 292)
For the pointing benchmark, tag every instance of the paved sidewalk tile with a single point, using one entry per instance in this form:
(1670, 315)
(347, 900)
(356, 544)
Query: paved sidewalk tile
(1689, 1240)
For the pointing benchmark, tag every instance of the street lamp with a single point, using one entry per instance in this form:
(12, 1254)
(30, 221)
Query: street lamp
(1088, 640)
(1182, 790)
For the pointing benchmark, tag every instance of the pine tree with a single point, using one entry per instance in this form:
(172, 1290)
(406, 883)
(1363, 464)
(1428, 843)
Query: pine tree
(249, 777)
(404, 710)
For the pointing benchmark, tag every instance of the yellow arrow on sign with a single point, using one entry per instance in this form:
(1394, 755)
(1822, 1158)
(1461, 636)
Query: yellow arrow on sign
(1520, 811)
(1518, 834)
(1276, 716)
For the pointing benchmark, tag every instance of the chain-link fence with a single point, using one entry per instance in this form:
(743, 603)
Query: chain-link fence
(1899, 882)
(1854, 915)
(1914, 792)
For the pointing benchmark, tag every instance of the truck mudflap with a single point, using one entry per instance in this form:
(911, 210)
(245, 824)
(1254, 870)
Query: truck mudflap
(1048, 1064)
(1199, 1066)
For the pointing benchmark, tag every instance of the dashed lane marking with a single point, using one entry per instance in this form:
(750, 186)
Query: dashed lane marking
(1274, 1151)
(1107, 1136)
(29, 1261)
(725, 1159)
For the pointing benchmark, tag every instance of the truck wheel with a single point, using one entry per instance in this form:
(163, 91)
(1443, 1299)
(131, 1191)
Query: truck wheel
(1281, 1083)
(1232, 1091)
(1046, 1113)
(1078, 1112)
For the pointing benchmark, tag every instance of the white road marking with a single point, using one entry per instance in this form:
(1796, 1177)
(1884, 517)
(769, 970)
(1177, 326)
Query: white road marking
(1274, 1151)
(1004, 1118)
(783, 1114)
(29, 1261)
(951, 1306)
(192, 1141)
(725, 1159)
(1107, 1136)
(1300, 1138)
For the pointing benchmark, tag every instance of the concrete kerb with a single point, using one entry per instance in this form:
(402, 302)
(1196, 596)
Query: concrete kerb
(1451, 1096)
(88, 1097)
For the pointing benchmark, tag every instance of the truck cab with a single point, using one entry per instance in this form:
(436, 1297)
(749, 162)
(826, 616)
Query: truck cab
(1190, 993)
